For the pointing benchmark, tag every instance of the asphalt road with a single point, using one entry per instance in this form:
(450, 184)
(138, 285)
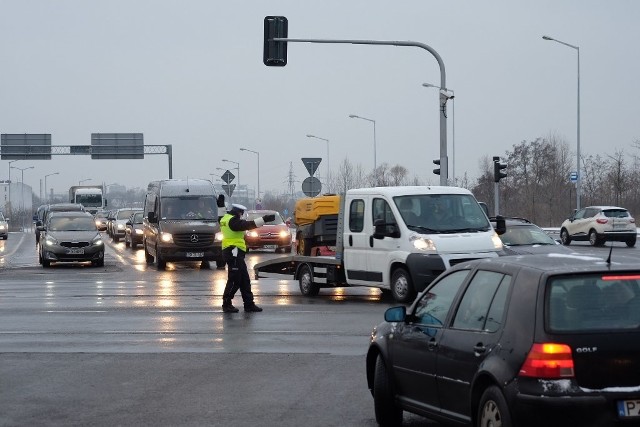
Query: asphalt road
(126, 344)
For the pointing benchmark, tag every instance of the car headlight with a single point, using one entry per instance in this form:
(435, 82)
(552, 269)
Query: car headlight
(219, 236)
(139, 231)
(284, 234)
(50, 241)
(497, 243)
(422, 243)
(166, 237)
(3, 227)
(97, 240)
(120, 226)
(252, 233)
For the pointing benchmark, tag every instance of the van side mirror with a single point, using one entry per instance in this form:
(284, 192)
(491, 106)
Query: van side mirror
(152, 217)
(105, 203)
(501, 226)
(384, 229)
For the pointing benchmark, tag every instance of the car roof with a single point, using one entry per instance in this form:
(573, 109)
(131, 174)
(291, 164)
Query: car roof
(561, 263)
(605, 208)
(65, 207)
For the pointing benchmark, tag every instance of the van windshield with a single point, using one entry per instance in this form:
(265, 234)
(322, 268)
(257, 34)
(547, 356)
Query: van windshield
(191, 208)
(442, 213)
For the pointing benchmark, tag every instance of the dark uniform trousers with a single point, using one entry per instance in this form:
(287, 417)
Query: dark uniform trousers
(237, 276)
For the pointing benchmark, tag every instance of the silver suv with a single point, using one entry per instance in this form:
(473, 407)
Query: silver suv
(599, 224)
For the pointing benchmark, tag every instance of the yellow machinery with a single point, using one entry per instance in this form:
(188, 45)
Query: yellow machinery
(316, 219)
(310, 209)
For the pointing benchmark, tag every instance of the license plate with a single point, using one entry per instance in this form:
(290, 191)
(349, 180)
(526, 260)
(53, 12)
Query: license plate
(75, 251)
(629, 408)
(270, 246)
(195, 254)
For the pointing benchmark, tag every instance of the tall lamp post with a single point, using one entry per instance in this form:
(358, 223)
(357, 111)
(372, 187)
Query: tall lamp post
(327, 141)
(449, 94)
(255, 152)
(578, 178)
(46, 191)
(375, 162)
(22, 191)
(10, 167)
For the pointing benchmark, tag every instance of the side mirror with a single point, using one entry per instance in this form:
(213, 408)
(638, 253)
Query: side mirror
(35, 218)
(395, 314)
(501, 226)
(152, 217)
(105, 203)
(381, 231)
(128, 223)
(38, 223)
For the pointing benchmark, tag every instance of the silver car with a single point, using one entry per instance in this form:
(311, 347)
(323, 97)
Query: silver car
(4, 227)
(70, 237)
(599, 224)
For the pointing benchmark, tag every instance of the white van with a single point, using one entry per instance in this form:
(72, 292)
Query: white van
(396, 238)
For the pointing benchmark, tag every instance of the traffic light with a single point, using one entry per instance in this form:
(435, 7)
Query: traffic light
(497, 169)
(436, 170)
(274, 53)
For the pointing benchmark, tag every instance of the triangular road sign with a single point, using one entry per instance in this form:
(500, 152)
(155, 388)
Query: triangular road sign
(228, 188)
(311, 163)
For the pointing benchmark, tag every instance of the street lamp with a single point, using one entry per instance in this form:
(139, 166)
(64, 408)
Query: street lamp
(327, 141)
(578, 178)
(255, 152)
(46, 192)
(22, 190)
(375, 163)
(10, 167)
(445, 92)
(83, 180)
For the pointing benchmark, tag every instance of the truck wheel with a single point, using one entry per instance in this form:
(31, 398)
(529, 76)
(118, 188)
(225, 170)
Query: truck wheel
(304, 246)
(401, 286)
(305, 279)
(387, 412)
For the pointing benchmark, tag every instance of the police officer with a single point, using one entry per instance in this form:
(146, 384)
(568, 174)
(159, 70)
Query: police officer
(234, 249)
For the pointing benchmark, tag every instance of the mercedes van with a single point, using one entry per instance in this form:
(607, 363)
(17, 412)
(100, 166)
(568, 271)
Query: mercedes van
(181, 223)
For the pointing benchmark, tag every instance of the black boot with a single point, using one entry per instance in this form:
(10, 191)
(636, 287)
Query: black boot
(252, 308)
(227, 307)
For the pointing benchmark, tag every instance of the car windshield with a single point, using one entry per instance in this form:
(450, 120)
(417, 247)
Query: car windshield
(72, 224)
(124, 214)
(442, 213)
(191, 208)
(517, 235)
(594, 302)
(253, 215)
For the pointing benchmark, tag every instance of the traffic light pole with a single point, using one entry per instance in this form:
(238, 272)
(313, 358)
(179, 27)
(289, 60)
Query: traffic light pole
(496, 199)
(444, 161)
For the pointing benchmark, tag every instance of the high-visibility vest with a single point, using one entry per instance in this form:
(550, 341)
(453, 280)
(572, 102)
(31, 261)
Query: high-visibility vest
(230, 237)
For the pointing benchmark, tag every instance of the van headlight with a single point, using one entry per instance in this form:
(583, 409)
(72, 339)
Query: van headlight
(497, 243)
(219, 236)
(422, 243)
(166, 237)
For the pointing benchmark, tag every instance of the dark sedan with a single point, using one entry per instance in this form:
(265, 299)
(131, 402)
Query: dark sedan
(523, 237)
(134, 231)
(70, 237)
(535, 340)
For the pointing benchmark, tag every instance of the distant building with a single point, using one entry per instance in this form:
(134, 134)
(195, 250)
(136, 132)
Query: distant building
(20, 195)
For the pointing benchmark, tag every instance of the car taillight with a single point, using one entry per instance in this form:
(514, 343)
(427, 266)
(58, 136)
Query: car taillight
(548, 360)
(602, 220)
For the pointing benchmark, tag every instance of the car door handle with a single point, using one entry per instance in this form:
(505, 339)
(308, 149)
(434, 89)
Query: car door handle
(432, 344)
(479, 348)
(370, 241)
(350, 240)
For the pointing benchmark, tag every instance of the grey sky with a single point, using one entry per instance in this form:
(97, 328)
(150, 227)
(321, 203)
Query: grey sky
(190, 73)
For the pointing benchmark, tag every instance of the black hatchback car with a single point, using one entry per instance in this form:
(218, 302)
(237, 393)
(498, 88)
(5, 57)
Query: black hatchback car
(524, 340)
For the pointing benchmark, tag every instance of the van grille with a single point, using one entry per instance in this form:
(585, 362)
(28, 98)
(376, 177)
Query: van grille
(193, 240)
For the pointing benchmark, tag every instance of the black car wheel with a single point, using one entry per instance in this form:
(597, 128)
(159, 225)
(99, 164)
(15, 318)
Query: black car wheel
(593, 238)
(387, 412)
(162, 264)
(305, 279)
(631, 242)
(493, 410)
(564, 237)
(126, 241)
(147, 256)
(401, 286)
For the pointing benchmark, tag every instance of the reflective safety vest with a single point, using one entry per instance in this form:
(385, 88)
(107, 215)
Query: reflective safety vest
(230, 237)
